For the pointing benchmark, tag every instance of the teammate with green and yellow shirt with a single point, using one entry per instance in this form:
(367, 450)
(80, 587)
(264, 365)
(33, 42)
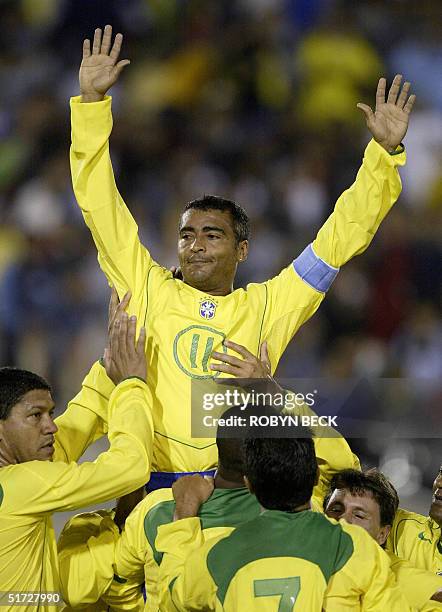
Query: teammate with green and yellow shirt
(369, 500)
(187, 320)
(38, 470)
(286, 558)
(418, 538)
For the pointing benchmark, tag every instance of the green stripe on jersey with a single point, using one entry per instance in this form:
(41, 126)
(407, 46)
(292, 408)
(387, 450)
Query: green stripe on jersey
(307, 535)
(1, 495)
(224, 508)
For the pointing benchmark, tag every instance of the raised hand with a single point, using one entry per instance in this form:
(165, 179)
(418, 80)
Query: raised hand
(100, 69)
(389, 123)
(247, 367)
(190, 493)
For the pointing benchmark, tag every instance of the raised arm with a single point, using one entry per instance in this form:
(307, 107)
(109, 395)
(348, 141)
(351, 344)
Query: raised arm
(360, 209)
(121, 256)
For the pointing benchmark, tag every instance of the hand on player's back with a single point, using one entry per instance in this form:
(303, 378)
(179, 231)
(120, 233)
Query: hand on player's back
(189, 493)
(124, 357)
(100, 69)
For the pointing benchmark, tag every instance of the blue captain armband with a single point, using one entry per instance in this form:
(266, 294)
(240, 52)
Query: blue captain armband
(314, 271)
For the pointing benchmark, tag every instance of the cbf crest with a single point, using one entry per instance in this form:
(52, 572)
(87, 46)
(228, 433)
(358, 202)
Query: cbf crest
(207, 309)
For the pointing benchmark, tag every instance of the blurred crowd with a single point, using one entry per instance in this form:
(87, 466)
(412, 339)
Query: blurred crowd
(253, 100)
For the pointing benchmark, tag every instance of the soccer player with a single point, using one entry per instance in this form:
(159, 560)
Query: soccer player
(38, 473)
(86, 554)
(418, 538)
(188, 320)
(287, 558)
(369, 500)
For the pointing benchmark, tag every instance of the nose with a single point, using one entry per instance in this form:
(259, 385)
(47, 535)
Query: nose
(197, 245)
(49, 426)
(347, 515)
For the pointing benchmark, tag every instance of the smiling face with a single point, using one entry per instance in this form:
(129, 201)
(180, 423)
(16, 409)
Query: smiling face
(436, 505)
(28, 432)
(208, 251)
(362, 510)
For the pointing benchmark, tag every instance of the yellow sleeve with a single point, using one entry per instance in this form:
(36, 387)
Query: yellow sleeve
(85, 553)
(85, 419)
(418, 585)
(184, 580)
(360, 209)
(366, 580)
(55, 486)
(122, 257)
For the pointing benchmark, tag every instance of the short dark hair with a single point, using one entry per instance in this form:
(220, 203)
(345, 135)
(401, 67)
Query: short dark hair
(372, 480)
(14, 384)
(282, 471)
(230, 444)
(240, 220)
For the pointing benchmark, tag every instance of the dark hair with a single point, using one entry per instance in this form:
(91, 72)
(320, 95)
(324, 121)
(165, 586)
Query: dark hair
(230, 441)
(240, 220)
(373, 481)
(282, 471)
(14, 384)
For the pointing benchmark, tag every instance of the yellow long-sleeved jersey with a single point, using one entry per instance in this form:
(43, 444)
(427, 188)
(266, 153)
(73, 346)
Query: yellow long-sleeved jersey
(417, 585)
(30, 492)
(185, 325)
(418, 539)
(276, 561)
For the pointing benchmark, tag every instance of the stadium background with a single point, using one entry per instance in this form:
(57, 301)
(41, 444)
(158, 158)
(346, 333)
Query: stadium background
(249, 99)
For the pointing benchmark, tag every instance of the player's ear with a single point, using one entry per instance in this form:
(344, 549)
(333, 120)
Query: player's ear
(243, 250)
(383, 534)
(248, 485)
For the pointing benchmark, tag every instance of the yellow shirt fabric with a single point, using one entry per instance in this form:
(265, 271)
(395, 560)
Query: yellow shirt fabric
(418, 539)
(277, 561)
(417, 585)
(30, 492)
(182, 331)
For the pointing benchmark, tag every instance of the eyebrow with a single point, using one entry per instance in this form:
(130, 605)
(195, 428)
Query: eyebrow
(206, 228)
(37, 406)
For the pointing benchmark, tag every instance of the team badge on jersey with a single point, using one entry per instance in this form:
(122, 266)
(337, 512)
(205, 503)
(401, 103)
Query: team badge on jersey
(207, 309)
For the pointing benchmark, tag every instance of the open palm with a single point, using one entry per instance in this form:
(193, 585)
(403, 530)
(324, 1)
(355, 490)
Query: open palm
(100, 68)
(389, 123)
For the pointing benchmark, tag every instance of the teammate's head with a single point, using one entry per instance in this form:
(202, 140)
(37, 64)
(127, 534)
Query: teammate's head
(213, 239)
(367, 499)
(436, 504)
(281, 472)
(26, 425)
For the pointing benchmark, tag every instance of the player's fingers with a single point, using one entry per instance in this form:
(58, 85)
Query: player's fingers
(409, 105)
(118, 68)
(121, 307)
(403, 95)
(141, 342)
(116, 47)
(369, 115)
(122, 333)
(107, 38)
(380, 92)
(131, 335)
(113, 304)
(96, 45)
(86, 48)
(114, 338)
(264, 356)
(231, 359)
(223, 367)
(239, 349)
(394, 89)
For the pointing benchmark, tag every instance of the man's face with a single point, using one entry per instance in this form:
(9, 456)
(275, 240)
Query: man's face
(436, 504)
(28, 432)
(208, 251)
(362, 510)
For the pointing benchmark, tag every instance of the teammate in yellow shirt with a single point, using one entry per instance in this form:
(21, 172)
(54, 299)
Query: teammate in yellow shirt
(187, 320)
(38, 473)
(369, 500)
(287, 558)
(418, 538)
(90, 569)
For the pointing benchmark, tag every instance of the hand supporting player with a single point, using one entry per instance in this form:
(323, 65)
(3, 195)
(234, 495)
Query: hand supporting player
(389, 123)
(124, 357)
(247, 367)
(100, 69)
(190, 493)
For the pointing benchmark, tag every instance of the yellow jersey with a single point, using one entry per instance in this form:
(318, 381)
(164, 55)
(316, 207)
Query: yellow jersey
(417, 585)
(30, 492)
(276, 561)
(184, 325)
(417, 539)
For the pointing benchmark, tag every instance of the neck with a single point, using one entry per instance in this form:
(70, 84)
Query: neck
(6, 455)
(226, 480)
